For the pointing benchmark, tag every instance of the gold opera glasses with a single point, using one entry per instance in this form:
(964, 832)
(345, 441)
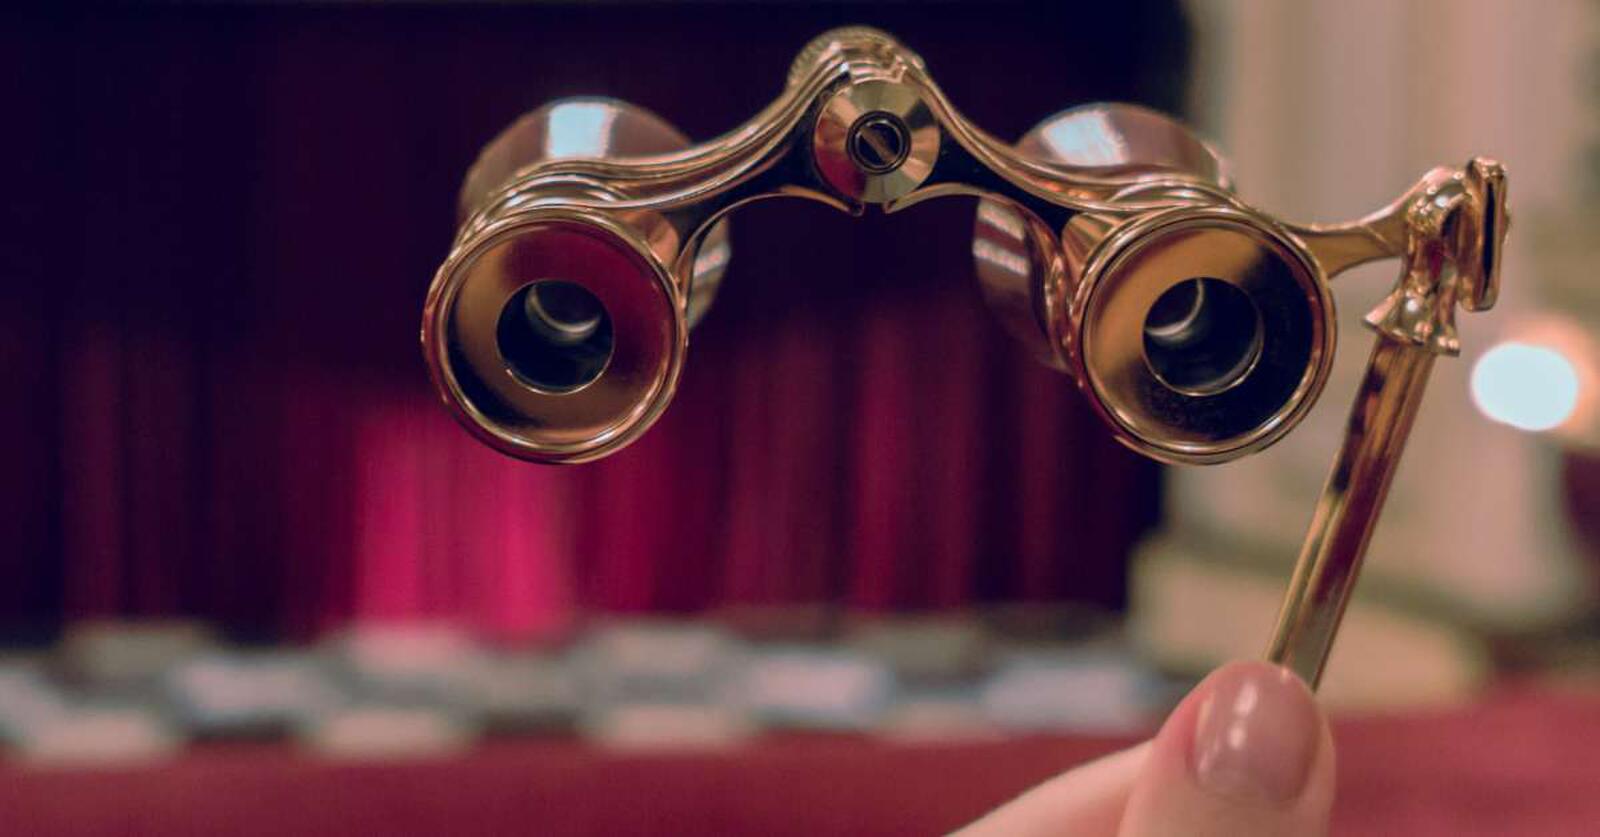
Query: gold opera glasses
(1109, 239)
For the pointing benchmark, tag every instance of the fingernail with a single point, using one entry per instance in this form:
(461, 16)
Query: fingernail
(1256, 735)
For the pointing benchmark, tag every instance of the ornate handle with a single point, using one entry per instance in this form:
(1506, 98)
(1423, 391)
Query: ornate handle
(1451, 225)
(1109, 239)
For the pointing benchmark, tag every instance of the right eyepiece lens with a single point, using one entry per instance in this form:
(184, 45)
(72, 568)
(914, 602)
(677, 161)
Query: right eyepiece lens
(1202, 336)
(555, 336)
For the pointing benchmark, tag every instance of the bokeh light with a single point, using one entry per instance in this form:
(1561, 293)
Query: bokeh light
(1530, 387)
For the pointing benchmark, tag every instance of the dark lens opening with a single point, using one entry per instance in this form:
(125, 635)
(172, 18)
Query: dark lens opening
(555, 336)
(1202, 336)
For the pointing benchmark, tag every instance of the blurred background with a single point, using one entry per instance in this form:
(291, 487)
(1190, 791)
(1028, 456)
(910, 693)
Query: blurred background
(856, 580)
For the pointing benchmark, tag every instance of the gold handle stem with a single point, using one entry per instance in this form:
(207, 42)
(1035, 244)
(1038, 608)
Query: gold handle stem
(1325, 574)
(1452, 228)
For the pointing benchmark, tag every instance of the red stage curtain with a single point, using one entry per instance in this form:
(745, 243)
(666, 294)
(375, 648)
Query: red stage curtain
(216, 255)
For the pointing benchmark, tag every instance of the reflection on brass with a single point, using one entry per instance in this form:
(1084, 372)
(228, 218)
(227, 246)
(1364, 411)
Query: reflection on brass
(1109, 239)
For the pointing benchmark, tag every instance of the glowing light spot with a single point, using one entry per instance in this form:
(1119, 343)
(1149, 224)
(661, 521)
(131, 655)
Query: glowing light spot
(1086, 138)
(579, 129)
(991, 253)
(1527, 386)
(1001, 218)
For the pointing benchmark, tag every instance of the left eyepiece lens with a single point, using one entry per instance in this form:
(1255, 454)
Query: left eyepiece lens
(555, 336)
(1202, 336)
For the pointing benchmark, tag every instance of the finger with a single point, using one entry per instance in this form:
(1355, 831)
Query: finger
(1248, 752)
(1086, 800)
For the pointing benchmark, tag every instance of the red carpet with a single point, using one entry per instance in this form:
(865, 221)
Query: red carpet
(1519, 762)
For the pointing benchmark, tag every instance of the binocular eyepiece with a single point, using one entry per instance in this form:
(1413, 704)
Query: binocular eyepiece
(1199, 329)
(556, 333)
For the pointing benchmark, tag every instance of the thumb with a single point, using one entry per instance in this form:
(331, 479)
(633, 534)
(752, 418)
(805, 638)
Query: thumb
(1247, 753)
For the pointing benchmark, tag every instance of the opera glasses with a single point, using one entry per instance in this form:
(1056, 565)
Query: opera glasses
(1109, 240)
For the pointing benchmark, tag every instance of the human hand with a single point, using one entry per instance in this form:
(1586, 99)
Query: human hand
(1246, 754)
